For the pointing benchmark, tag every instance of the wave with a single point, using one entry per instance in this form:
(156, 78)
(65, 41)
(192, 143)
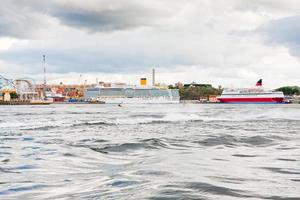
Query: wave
(89, 143)
(244, 155)
(159, 116)
(282, 170)
(41, 128)
(131, 120)
(92, 123)
(21, 189)
(196, 190)
(157, 119)
(135, 119)
(80, 113)
(229, 140)
(152, 143)
(193, 190)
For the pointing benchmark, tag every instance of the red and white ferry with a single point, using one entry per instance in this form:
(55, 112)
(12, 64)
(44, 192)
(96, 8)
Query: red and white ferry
(251, 95)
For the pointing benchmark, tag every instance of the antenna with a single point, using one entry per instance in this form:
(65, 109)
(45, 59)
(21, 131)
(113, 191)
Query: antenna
(45, 83)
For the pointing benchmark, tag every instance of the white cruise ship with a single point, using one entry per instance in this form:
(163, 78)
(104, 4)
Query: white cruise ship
(132, 95)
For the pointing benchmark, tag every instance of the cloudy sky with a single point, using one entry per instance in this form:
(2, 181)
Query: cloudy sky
(229, 43)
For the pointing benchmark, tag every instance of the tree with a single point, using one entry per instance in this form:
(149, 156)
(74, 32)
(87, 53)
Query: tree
(14, 95)
(171, 87)
(289, 90)
(197, 92)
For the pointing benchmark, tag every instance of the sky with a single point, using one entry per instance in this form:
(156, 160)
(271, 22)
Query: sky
(232, 43)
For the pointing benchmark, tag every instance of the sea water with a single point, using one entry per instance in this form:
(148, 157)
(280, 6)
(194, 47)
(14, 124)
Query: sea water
(184, 151)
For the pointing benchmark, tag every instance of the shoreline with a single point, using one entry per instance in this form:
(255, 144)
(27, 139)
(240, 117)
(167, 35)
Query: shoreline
(15, 103)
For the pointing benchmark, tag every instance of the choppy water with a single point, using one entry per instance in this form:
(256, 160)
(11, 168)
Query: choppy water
(150, 152)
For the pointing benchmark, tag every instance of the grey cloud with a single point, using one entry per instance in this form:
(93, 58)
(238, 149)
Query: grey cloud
(121, 17)
(25, 19)
(285, 32)
(18, 20)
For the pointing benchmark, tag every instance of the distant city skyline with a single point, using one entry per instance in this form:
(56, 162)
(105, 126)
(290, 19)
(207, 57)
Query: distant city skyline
(228, 43)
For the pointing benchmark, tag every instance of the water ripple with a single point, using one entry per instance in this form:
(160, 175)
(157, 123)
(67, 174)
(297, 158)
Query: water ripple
(180, 151)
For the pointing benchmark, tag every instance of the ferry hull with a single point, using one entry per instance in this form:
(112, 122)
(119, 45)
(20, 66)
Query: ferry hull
(252, 100)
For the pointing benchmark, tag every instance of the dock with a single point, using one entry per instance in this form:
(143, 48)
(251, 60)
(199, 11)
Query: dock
(23, 102)
(15, 102)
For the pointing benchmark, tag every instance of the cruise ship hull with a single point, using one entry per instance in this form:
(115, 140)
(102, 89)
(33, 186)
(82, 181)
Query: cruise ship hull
(139, 100)
(252, 100)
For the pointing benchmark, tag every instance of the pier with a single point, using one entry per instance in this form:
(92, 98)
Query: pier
(15, 102)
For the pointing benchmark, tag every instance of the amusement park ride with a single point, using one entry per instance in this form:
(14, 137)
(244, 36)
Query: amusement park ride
(23, 87)
(23, 90)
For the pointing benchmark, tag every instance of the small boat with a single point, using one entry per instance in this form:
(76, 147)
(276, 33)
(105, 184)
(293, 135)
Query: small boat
(40, 102)
(96, 102)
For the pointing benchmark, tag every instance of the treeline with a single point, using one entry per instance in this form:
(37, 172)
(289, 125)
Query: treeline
(196, 92)
(289, 90)
(13, 95)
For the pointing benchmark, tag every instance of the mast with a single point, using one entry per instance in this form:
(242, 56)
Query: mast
(45, 83)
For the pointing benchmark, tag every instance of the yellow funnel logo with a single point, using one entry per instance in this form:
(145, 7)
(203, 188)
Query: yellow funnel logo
(143, 81)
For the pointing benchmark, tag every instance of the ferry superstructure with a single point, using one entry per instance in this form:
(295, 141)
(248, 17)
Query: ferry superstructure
(252, 95)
